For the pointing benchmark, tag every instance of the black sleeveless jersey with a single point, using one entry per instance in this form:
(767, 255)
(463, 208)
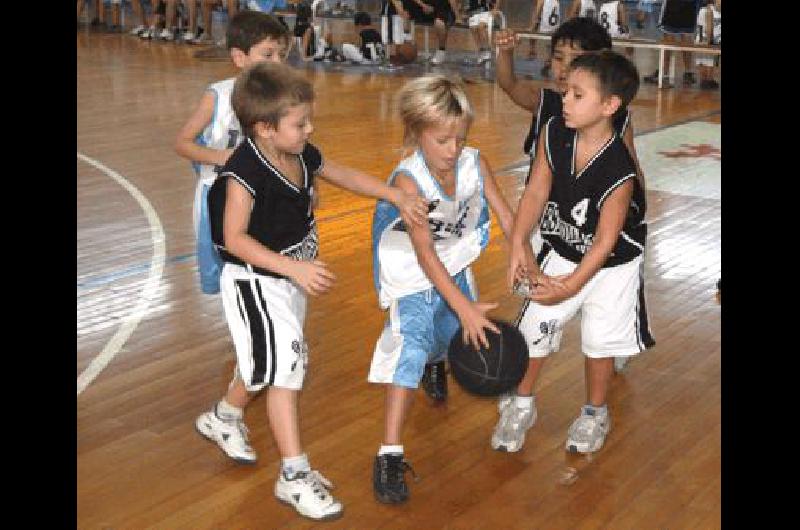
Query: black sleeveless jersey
(551, 104)
(371, 42)
(282, 218)
(573, 208)
(479, 6)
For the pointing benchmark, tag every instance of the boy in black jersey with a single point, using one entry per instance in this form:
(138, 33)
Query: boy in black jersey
(584, 194)
(572, 38)
(370, 50)
(263, 225)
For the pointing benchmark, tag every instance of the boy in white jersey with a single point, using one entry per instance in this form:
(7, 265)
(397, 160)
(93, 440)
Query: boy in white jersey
(210, 135)
(263, 224)
(708, 32)
(584, 195)
(422, 273)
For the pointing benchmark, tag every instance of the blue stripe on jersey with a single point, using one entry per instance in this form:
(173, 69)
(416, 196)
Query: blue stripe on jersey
(484, 219)
(386, 214)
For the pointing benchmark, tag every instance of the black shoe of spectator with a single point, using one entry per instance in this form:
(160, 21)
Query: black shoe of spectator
(434, 381)
(689, 78)
(95, 22)
(709, 84)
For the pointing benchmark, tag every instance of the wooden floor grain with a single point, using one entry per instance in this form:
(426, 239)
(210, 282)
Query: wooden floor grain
(142, 465)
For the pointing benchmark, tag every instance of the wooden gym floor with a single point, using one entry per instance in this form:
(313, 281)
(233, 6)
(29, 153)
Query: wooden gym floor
(140, 463)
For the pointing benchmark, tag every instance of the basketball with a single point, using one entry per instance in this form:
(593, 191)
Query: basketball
(493, 371)
(405, 53)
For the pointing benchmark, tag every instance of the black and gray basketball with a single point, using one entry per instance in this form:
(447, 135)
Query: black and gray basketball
(494, 371)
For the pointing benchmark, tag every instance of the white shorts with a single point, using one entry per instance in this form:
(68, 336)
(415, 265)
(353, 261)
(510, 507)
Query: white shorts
(481, 18)
(265, 316)
(614, 319)
(395, 33)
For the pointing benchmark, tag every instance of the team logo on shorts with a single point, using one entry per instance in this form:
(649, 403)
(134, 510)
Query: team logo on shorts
(548, 331)
(300, 348)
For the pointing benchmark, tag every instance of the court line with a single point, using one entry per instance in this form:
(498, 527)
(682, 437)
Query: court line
(130, 321)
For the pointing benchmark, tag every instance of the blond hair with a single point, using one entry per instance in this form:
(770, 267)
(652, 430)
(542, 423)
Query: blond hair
(429, 100)
(265, 91)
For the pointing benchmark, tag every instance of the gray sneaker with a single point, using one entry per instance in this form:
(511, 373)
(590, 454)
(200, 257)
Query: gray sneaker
(509, 434)
(588, 432)
(505, 400)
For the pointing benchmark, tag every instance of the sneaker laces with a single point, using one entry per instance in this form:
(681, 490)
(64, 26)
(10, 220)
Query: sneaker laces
(393, 467)
(584, 428)
(316, 481)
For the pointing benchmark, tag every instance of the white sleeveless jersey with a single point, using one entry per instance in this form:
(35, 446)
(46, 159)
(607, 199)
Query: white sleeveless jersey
(223, 132)
(608, 17)
(588, 9)
(551, 16)
(701, 33)
(459, 227)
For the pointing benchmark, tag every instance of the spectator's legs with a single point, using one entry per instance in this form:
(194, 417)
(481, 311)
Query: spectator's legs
(441, 33)
(81, 3)
(233, 8)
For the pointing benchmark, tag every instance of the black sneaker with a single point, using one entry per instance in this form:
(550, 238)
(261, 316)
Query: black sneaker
(709, 84)
(388, 478)
(689, 78)
(434, 381)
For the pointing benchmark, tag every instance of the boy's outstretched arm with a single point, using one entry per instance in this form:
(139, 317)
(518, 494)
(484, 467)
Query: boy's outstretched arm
(521, 263)
(497, 202)
(185, 144)
(609, 226)
(520, 93)
(413, 208)
(471, 314)
(313, 277)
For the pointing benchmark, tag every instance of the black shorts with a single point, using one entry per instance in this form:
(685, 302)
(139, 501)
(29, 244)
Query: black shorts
(441, 10)
(678, 16)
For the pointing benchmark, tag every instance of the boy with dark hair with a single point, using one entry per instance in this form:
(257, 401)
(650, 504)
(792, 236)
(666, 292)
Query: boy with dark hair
(584, 194)
(370, 49)
(212, 132)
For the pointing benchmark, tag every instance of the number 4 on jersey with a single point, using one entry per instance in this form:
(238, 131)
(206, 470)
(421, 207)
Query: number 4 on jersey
(579, 212)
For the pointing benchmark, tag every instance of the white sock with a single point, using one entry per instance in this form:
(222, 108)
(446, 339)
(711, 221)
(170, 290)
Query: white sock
(393, 449)
(226, 411)
(294, 464)
(524, 402)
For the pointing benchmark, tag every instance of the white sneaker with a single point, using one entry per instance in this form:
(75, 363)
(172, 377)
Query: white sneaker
(485, 57)
(505, 400)
(509, 434)
(230, 436)
(138, 30)
(588, 432)
(148, 33)
(188, 37)
(438, 57)
(166, 35)
(308, 493)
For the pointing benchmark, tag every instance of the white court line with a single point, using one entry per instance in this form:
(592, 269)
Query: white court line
(130, 322)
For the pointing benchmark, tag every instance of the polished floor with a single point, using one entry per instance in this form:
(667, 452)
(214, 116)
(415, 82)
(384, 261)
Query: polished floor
(153, 352)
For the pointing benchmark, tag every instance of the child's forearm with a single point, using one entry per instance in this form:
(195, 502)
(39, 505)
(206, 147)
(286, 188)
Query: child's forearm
(441, 279)
(359, 182)
(197, 153)
(251, 251)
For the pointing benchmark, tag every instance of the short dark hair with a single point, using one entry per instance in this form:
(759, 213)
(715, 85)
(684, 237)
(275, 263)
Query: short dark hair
(586, 32)
(615, 73)
(248, 28)
(362, 18)
(265, 91)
